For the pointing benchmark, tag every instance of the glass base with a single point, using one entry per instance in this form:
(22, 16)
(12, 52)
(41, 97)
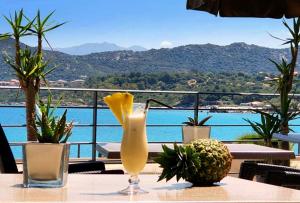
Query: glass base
(133, 187)
(50, 172)
(29, 183)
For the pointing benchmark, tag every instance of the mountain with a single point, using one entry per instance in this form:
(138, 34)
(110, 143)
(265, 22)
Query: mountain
(236, 57)
(89, 48)
(136, 48)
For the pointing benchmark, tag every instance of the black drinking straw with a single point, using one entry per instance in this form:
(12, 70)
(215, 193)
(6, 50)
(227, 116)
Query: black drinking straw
(155, 101)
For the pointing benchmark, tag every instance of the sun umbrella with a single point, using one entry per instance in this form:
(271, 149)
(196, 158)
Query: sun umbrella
(248, 8)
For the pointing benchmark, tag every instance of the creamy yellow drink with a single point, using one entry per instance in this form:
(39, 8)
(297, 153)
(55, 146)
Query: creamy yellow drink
(134, 149)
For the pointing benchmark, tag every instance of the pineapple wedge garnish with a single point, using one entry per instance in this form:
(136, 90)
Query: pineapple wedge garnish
(127, 105)
(120, 104)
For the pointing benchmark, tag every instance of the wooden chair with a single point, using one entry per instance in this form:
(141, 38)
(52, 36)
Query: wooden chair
(271, 174)
(8, 162)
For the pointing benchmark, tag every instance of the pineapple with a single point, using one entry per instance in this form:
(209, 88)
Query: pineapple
(202, 162)
(120, 104)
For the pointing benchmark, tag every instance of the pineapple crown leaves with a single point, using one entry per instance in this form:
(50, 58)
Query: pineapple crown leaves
(194, 122)
(182, 162)
(52, 129)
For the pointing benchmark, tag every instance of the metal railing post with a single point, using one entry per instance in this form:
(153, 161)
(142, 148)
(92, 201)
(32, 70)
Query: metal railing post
(78, 151)
(196, 107)
(94, 140)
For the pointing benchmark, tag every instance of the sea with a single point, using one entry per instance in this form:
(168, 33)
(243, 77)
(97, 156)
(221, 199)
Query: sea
(16, 116)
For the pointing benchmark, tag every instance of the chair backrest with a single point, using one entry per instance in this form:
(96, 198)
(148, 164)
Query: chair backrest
(7, 160)
(250, 169)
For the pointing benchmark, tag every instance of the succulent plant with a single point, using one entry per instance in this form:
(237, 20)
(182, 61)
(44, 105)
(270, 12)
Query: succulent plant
(270, 124)
(195, 122)
(202, 162)
(51, 129)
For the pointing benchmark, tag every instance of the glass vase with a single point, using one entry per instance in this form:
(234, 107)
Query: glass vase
(45, 164)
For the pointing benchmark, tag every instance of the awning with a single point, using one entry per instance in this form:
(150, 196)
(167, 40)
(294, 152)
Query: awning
(248, 8)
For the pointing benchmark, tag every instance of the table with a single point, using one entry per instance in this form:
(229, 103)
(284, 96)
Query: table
(238, 151)
(96, 188)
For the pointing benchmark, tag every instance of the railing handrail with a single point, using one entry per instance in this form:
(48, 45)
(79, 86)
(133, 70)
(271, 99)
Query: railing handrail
(151, 91)
(95, 106)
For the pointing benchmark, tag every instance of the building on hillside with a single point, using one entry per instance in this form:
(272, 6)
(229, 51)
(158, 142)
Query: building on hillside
(77, 83)
(253, 104)
(4, 83)
(14, 82)
(192, 82)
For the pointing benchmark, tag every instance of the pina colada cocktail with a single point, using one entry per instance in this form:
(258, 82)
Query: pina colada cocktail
(134, 149)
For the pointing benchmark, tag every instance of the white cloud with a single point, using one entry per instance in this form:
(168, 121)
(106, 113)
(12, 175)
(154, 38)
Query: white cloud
(166, 44)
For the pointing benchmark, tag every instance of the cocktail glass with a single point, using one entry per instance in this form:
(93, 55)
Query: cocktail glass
(134, 150)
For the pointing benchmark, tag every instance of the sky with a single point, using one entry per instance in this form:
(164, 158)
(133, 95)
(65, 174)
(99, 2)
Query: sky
(148, 23)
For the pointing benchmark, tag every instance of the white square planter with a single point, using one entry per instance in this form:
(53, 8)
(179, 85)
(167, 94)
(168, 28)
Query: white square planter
(45, 164)
(190, 133)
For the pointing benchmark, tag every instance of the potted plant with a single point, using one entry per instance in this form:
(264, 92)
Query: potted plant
(30, 66)
(269, 125)
(46, 161)
(194, 129)
(284, 81)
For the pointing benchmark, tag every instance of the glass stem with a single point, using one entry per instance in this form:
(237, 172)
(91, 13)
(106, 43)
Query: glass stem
(134, 181)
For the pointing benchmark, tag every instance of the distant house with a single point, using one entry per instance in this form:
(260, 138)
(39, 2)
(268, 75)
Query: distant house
(58, 83)
(77, 83)
(14, 82)
(61, 83)
(250, 83)
(267, 78)
(253, 104)
(192, 82)
(4, 83)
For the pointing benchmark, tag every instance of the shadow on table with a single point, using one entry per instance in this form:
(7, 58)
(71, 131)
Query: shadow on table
(18, 186)
(180, 186)
(103, 194)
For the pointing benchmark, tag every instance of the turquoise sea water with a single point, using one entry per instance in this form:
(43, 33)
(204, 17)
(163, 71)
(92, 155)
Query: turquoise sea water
(11, 116)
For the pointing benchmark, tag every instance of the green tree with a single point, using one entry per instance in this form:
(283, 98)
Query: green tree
(29, 66)
(284, 82)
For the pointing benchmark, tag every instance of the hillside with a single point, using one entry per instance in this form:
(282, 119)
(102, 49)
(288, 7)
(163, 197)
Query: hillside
(237, 57)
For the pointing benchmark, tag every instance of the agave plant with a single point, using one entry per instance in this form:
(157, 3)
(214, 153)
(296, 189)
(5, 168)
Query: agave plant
(269, 125)
(195, 122)
(51, 129)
